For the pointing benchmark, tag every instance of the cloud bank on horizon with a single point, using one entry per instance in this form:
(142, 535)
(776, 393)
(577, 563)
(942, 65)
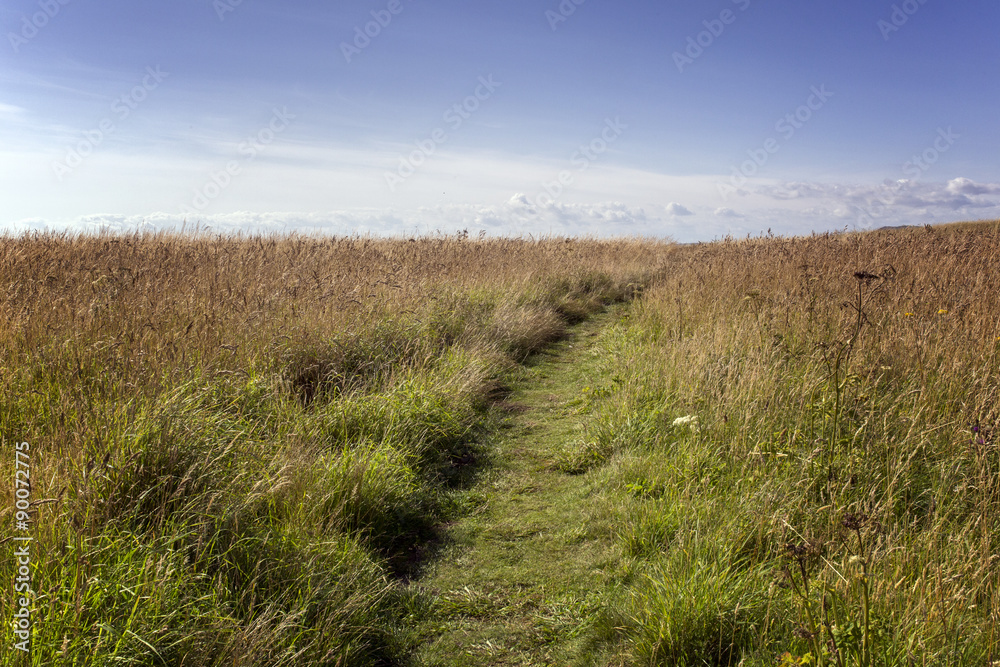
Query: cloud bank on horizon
(564, 117)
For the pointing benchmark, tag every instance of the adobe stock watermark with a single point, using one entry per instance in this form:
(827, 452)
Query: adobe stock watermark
(786, 127)
(584, 156)
(913, 169)
(455, 116)
(562, 13)
(223, 7)
(121, 108)
(30, 26)
(22, 548)
(372, 29)
(899, 17)
(697, 44)
(249, 149)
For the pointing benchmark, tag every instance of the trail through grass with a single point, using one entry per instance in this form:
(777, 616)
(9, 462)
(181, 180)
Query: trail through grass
(290, 451)
(520, 578)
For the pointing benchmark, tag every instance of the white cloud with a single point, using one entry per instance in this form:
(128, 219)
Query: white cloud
(293, 185)
(516, 216)
(11, 111)
(892, 202)
(965, 186)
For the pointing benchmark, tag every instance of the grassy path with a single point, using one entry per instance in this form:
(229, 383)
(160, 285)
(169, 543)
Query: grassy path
(521, 576)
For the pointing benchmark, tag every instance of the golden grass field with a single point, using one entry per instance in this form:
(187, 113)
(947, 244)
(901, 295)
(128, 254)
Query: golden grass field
(235, 439)
(241, 447)
(848, 392)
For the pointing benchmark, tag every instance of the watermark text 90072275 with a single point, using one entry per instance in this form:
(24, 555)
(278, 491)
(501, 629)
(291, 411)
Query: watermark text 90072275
(22, 551)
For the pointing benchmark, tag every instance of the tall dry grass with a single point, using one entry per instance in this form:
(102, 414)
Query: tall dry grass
(840, 500)
(238, 443)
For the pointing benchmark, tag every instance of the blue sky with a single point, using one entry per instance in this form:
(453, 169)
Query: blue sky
(690, 119)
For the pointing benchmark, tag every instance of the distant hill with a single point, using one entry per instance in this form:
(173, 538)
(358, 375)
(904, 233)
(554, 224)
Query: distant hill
(949, 226)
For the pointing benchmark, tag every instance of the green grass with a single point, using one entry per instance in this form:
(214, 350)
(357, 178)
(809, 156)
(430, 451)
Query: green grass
(273, 515)
(771, 456)
(803, 517)
(521, 579)
(835, 504)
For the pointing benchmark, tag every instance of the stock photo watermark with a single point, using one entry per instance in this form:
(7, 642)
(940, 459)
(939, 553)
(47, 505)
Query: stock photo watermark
(455, 116)
(249, 149)
(899, 17)
(31, 25)
(121, 108)
(697, 44)
(223, 7)
(913, 169)
(562, 13)
(363, 36)
(22, 548)
(920, 163)
(786, 127)
(582, 159)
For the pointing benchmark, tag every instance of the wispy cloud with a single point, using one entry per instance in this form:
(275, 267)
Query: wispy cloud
(9, 111)
(725, 212)
(515, 216)
(955, 195)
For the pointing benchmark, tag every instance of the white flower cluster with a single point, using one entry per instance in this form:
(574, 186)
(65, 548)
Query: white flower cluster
(690, 421)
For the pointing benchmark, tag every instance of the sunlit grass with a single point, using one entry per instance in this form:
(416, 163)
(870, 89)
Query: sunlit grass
(244, 449)
(837, 503)
(241, 445)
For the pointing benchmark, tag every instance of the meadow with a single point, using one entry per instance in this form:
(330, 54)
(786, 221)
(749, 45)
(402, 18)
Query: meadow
(240, 447)
(268, 451)
(803, 437)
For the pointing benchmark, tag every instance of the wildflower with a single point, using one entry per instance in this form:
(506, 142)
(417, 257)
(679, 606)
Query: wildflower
(943, 311)
(907, 314)
(688, 420)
